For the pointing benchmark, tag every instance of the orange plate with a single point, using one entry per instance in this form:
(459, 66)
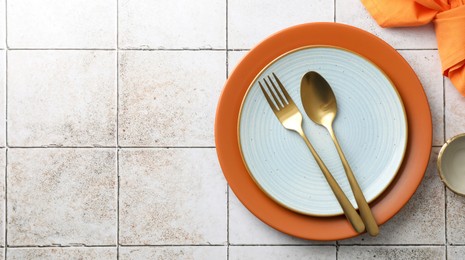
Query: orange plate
(416, 105)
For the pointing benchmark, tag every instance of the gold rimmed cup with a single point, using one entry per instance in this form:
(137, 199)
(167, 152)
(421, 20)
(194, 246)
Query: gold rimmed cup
(451, 164)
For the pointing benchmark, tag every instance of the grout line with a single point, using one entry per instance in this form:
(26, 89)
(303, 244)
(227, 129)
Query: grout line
(227, 184)
(445, 219)
(120, 49)
(60, 49)
(444, 108)
(117, 137)
(303, 245)
(334, 19)
(6, 80)
(337, 242)
(393, 245)
(238, 49)
(60, 246)
(6, 24)
(235, 245)
(227, 39)
(444, 139)
(117, 204)
(5, 219)
(62, 147)
(170, 49)
(232, 245)
(227, 220)
(5, 223)
(174, 49)
(176, 245)
(445, 216)
(5, 98)
(109, 147)
(227, 64)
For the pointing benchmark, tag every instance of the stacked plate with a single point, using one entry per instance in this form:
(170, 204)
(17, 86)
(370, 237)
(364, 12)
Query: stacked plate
(383, 125)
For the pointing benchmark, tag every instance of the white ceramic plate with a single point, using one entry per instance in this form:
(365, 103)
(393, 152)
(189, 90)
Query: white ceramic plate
(371, 127)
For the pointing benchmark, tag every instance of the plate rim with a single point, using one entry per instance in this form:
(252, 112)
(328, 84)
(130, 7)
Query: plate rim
(418, 116)
(399, 98)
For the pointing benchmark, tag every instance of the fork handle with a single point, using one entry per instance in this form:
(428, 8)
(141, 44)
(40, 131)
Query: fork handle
(349, 210)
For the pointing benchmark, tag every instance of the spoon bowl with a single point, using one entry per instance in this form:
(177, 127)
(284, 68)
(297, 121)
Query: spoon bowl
(318, 99)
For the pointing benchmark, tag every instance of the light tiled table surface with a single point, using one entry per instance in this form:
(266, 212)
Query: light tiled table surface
(107, 111)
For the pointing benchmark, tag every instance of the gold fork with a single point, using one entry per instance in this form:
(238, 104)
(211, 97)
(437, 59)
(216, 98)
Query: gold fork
(290, 117)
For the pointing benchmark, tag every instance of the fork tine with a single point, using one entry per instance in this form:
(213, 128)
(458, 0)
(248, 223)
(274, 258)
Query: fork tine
(270, 102)
(276, 99)
(281, 98)
(289, 99)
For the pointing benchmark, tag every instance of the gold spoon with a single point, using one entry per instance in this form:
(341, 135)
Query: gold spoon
(320, 105)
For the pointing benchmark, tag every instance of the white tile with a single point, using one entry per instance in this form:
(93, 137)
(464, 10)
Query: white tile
(2, 99)
(171, 196)
(165, 24)
(455, 112)
(168, 98)
(61, 24)
(354, 13)
(2, 196)
(233, 59)
(174, 252)
(421, 221)
(249, 22)
(61, 253)
(427, 66)
(61, 196)
(391, 252)
(2, 24)
(455, 218)
(69, 101)
(282, 252)
(455, 252)
(245, 228)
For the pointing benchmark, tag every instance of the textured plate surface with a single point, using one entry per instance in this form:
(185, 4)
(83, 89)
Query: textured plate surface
(370, 125)
(380, 53)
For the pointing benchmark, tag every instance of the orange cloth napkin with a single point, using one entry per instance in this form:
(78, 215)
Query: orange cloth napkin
(449, 22)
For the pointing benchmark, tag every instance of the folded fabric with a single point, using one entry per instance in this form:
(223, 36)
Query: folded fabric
(448, 17)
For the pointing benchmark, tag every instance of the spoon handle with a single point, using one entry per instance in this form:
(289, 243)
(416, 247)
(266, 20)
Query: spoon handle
(365, 211)
(349, 210)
